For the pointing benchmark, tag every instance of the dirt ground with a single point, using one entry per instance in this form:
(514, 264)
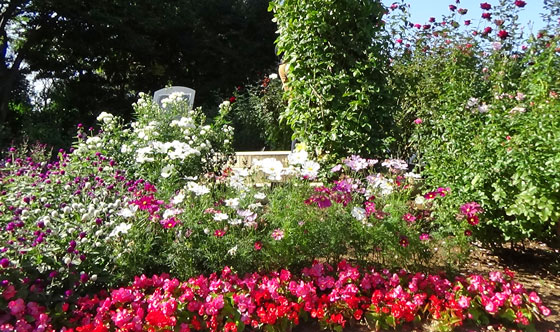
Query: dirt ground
(536, 265)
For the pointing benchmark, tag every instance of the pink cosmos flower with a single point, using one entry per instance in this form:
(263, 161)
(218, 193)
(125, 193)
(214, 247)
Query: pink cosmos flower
(278, 234)
(409, 218)
(520, 3)
(418, 121)
(473, 220)
(219, 233)
(486, 6)
(470, 209)
(424, 237)
(403, 241)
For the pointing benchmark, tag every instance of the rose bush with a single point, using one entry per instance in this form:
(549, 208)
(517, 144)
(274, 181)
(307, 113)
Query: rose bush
(485, 100)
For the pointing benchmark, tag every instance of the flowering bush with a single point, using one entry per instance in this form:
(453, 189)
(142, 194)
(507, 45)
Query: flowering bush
(480, 103)
(165, 144)
(336, 297)
(65, 225)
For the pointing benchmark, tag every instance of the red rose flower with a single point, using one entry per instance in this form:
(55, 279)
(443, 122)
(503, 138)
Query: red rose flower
(503, 34)
(232, 99)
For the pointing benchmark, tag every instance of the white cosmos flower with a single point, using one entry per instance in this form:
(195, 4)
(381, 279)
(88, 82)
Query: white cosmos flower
(128, 212)
(232, 202)
(178, 198)
(271, 167)
(167, 171)
(298, 157)
(121, 228)
(197, 189)
(310, 169)
(260, 196)
(358, 213)
(171, 212)
(220, 217)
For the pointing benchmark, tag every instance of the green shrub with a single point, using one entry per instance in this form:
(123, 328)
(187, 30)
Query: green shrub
(255, 114)
(337, 58)
(481, 113)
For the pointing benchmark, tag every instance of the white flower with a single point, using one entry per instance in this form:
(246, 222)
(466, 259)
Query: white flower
(412, 175)
(358, 213)
(483, 108)
(297, 158)
(472, 102)
(220, 217)
(260, 196)
(142, 155)
(128, 212)
(121, 228)
(419, 202)
(167, 171)
(271, 167)
(105, 117)
(310, 169)
(232, 251)
(232, 202)
(273, 76)
(197, 189)
(235, 221)
(171, 212)
(178, 198)
(254, 206)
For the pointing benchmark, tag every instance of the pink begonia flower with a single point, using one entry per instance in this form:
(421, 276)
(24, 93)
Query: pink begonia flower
(464, 302)
(491, 307)
(534, 297)
(544, 310)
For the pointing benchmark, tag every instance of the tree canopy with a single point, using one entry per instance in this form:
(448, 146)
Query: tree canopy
(99, 55)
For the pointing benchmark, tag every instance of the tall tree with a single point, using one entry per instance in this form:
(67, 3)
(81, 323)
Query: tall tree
(102, 53)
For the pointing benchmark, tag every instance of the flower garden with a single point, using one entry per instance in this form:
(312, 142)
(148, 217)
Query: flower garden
(431, 141)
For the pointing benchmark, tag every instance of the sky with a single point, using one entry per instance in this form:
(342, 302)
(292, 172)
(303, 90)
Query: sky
(422, 10)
